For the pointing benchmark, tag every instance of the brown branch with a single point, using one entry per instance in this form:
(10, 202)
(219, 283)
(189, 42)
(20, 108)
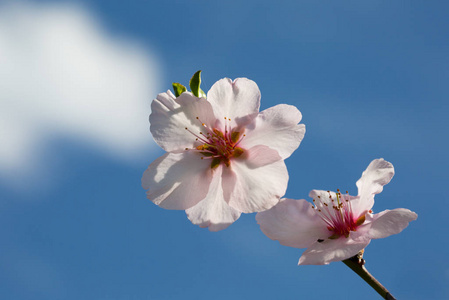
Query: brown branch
(357, 264)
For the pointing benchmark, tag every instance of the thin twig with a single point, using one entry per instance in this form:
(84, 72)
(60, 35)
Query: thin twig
(357, 264)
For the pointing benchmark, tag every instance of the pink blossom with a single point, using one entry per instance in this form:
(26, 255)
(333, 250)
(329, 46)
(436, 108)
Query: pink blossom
(224, 157)
(336, 226)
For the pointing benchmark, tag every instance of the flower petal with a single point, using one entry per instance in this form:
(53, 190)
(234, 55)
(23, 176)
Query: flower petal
(260, 155)
(171, 116)
(238, 100)
(213, 211)
(334, 250)
(170, 180)
(390, 222)
(252, 189)
(378, 174)
(276, 127)
(293, 223)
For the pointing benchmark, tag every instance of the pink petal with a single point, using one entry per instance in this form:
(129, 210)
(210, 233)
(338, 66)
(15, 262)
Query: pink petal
(213, 211)
(238, 100)
(177, 180)
(170, 117)
(293, 223)
(167, 99)
(252, 189)
(276, 127)
(260, 155)
(334, 250)
(390, 222)
(378, 174)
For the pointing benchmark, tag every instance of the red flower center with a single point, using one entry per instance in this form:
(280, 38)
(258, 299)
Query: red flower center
(217, 145)
(337, 214)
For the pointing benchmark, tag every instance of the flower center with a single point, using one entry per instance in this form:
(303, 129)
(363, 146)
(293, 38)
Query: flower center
(336, 212)
(217, 145)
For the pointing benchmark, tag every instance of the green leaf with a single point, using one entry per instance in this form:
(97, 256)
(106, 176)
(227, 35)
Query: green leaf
(178, 88)
(195, 83)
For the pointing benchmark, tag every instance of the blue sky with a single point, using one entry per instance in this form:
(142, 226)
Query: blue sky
(368, 76)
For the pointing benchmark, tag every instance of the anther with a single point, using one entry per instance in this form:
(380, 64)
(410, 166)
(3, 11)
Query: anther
(238, 152)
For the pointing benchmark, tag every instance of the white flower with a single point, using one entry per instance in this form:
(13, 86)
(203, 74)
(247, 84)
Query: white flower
(223, 156)
(337, 226)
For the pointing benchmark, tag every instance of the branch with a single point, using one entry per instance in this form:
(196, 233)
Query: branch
(357, 264)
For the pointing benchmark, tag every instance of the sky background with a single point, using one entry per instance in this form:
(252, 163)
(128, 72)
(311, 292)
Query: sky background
(76, 83)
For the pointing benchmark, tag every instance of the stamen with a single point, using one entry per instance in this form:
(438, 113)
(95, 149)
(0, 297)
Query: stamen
(217, 145)
(238, 142)
(339, 217)
(197, 137)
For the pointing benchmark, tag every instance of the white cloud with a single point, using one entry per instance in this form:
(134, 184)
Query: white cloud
(63, 75)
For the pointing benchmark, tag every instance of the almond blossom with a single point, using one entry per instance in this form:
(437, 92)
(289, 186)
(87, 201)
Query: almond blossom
(336, 226)
(224, 157)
